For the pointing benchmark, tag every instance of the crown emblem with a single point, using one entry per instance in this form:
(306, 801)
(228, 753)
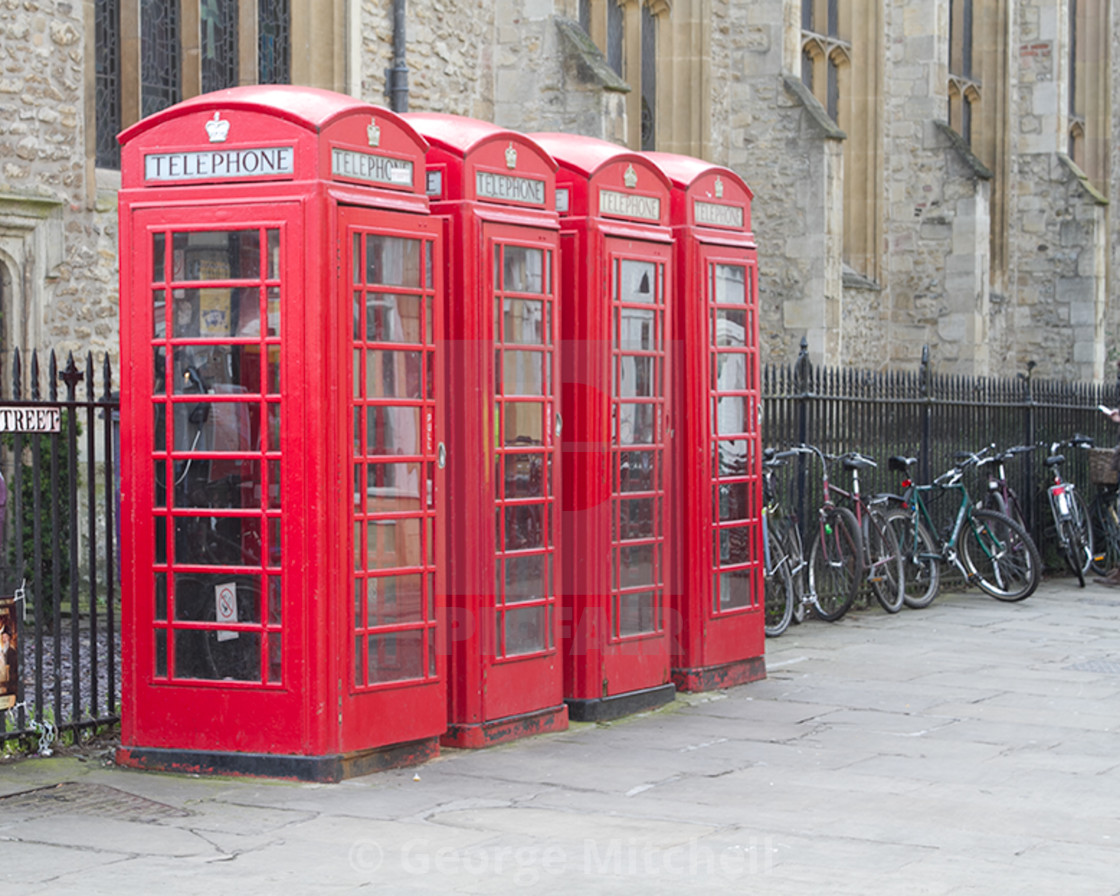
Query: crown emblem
(719, 188)
(217, 128)
(630, 178)
(511, 156)
(373, 132)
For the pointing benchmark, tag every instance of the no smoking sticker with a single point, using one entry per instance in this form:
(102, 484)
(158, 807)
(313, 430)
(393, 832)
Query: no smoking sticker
(225, 607)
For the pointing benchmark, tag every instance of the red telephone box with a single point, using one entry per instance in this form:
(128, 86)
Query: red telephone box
(616, 308)
(281, 290)
(717, 571)
(497, 189)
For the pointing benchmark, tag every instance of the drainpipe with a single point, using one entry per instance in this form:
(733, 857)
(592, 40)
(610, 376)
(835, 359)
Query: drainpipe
(396, 78)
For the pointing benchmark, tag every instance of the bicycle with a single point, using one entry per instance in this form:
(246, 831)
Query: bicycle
(991, 550)
(1104, 513)
(835, 563)
(882, 558)
(781, 544)
(1067, 508)
(1001, 496)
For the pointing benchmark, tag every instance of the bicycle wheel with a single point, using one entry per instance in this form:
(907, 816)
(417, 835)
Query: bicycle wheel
(835, 563)
(884, 559)
(1080, 512)
(921, 568)
(1000, 556)
(791, 540)
(1106, 533)
(1073, 549)
(779, 588)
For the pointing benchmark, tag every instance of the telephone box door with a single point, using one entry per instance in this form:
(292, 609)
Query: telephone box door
(525, 676)
(636, 652)
(729, 284)
(210, 470)
(394, 480)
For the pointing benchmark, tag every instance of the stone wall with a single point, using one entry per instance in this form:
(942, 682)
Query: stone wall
(57, 241)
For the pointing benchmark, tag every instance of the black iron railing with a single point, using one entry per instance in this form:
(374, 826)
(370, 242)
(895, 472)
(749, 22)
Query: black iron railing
(930, 416)
(59, 574)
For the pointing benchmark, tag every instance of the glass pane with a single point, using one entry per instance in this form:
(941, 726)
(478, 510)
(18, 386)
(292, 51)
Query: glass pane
(272, 297)
(217, 540)
(159, 371)
(272, 235)
(636, 329)
(216, 426)
(387, 482)
(159, 313)
(731, 328)
(275, 658)
(731, 414)
(219, 483)
(734, 589)
(523, 322)
(732, 457)
(217, 597)
(636, 281)
(392, 261)
(523, 527)
(730, 284)
(734, 546)
(524, 423)
(731, 372)
(159, 250)
(217, 255)
(392, 430)
(275, 601)
(523, 270)
(522, 476)
(393, 318)
(636, 565)
(161, 653)
(525, 578)
(637, 613)
(395, 656)
(274, 481)
(524, 373)
(636, 424)
(392, 374)
(391, 544)
(525, 630)
(218, 655)
(636, 377)
(217, 369)
(733, 501)
(391, 600)
(637, 471)
(161, 595)
(636, 519)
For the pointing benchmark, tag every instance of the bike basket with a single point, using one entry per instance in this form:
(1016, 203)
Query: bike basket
(1100, 467)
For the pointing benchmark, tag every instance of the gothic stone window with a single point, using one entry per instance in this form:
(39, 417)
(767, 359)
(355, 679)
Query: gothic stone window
(628, 33)
(153, 53)
(824, 54)
(964, 86)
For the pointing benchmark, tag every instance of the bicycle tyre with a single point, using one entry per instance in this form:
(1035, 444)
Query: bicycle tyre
(1073, 549)
(1081, 520)
(835, 563)
(778, 589)
(885, 570)
(791, 538)
(1000, 556)
(921, 566)
(1106, 533)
